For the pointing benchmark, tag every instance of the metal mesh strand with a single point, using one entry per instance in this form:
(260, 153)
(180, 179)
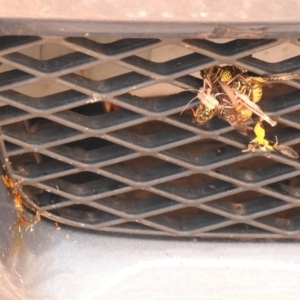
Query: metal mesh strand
(94, 131)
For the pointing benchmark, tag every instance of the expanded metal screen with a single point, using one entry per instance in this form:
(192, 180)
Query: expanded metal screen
(93, 129)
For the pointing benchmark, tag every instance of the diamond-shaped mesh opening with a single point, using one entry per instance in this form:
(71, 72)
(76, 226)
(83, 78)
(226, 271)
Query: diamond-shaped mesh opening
(129, 226)
(61, 58)
(275, 54)
(144, 162)
(152, 135)
(93, 129)
(204, 152)
(287, 220)
(187, 219)
(34, 165)
(253, 163)
(83, 184)
(90, 151)
(169, 51)
(81, 178)
(138, 202)
(192, 180)
(145, 169)
(37, 131)
(46, 199)
(240, 230)
(103, 40)
(84, 214)
(41, 88)
(46, 51)
(272, 96)
(202, 146)
(157, 90)
(220, 41)
(92, 109)
(288, 187)
(167, 68)
(102, 71)
(197, 187)
(255, 169)
(87, 145)
(149, 128)
(247, 203)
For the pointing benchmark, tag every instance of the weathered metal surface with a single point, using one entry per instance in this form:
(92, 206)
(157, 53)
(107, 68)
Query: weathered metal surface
(193, 18)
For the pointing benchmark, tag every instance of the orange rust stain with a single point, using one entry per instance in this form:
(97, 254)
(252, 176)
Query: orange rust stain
(18, 202)
(7, 181)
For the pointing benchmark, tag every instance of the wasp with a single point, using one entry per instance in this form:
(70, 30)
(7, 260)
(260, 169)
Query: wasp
(252, 91)
(238, 109)
(237, 99)
(238, 78)
(238, 91)
(203, 114)
(224, 74)
(243, 91)
(246, 102)
(249, 86)
(231, 111)
(208, 105)
(248, 89)
(236, 116)
(263, 144)
(206, 97)
(232, 94)
(252, 85)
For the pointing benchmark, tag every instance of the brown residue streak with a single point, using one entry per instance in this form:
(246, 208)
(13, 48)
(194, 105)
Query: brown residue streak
(18, 203)
(22, 221)
(7, 181)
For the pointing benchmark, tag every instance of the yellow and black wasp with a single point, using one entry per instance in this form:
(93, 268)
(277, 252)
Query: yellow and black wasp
(232, 93)
(263, 144)
(230, 107)
(208, 103)
(243, 90)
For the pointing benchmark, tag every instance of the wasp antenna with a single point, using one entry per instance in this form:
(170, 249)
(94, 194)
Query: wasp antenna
(188, 104)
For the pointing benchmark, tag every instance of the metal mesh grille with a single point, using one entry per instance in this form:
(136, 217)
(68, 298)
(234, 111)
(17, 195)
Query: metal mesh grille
(107, 149)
